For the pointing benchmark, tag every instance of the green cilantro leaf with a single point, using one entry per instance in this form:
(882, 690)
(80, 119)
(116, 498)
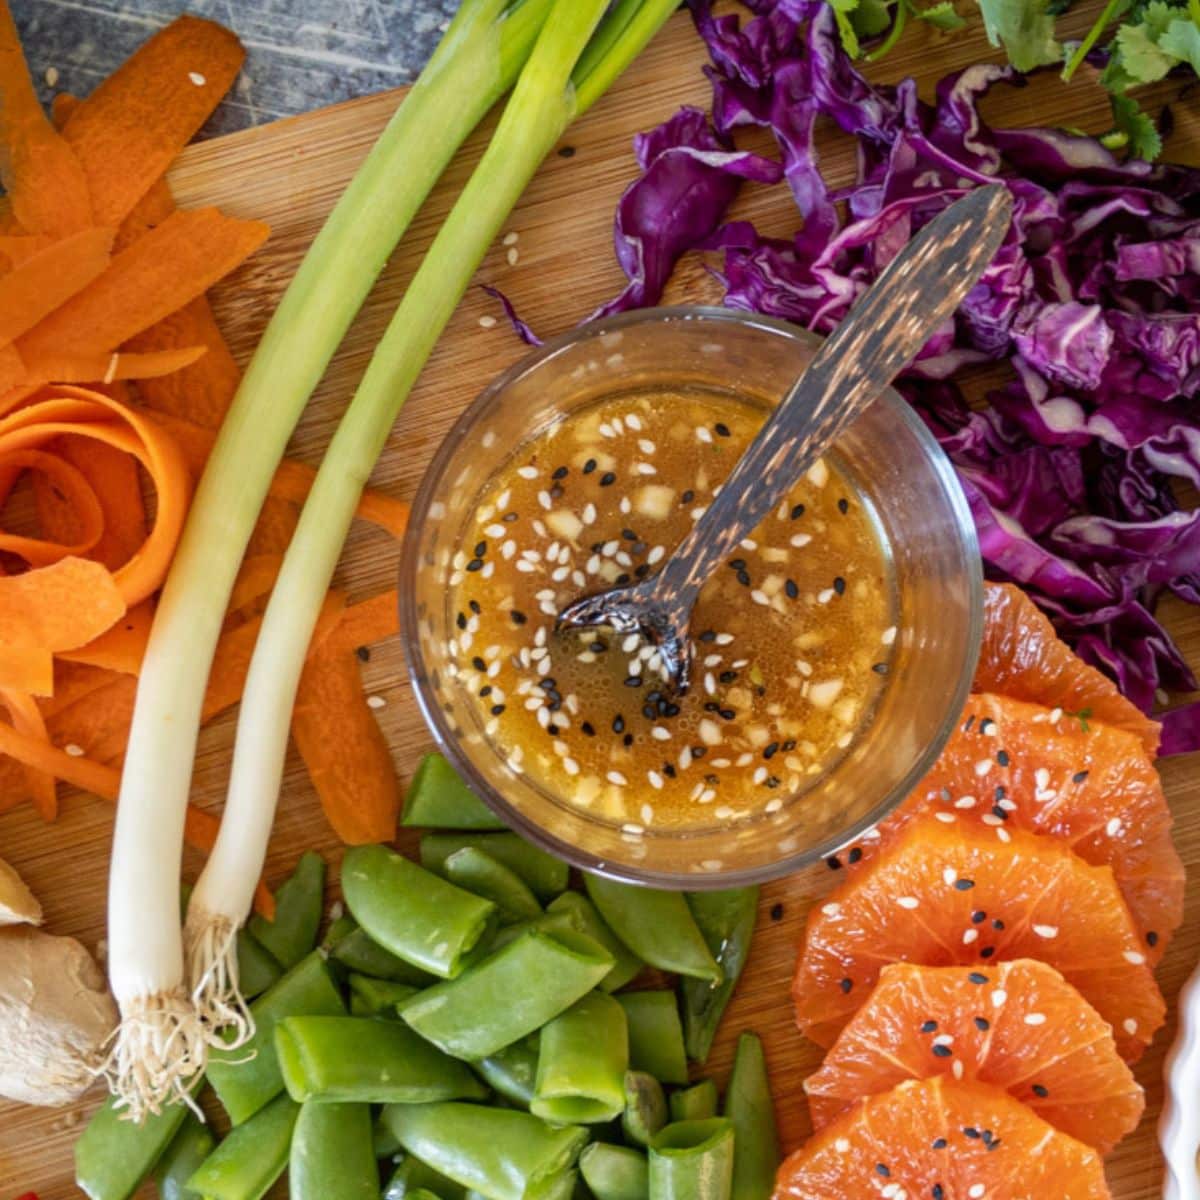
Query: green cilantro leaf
(1141, 134)
(871, 17)
(841, 12)
(1182, 41)
(1026, 30)
(1141, 58)
(942, 16)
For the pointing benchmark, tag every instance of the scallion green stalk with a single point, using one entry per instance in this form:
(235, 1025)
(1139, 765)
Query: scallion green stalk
(551, 91)
(163, 1036)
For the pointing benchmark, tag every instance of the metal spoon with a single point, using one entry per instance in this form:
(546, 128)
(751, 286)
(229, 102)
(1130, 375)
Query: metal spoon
(920, 289)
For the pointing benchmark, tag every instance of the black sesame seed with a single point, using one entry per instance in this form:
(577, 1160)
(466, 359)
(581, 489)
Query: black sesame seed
(846, 984)
(942, 1051)
(977, 977)
(839, 585)
(510, 517)
(638, 548)
(939, 1143)
(986, 724)
(988, 1137)
(1002, 758)
(797, 512)
(982, 1023)
(997, 924)
(968, 723)
(880, 668)
(987, 952)
(721, 429)
(789, 745)
(649, 712)
(642, 570)
(743, 577)
(670, 710)
(1079, 776)
(1041, 1091)
(727, 714)
(882, 1169)
(668, 769)
(843, 506)
(633, 681)
(773, 783)
(486, 690)
(1000, 813)
(776, 912)
(556, 490)
(628, 739)
(607, 479)
(476, 564)
(1000, 793)
(560, 472)
(709, 635)
(792, 590)
(589, 466)
(623, 578)
(478, 663)
(473, 605)
(480, 549)
(363, 652)
(937, 1192)
(547, 683)
(769, 751)
(833, 863)
(552, 729)
(518, 617)
(618, 725)
(971, 1132)
(699, 751)
(929, 1027)
(978, 917)
(497, 709)
(1151, 938)
(727, 676)
(588, 728)
(687, 497)
(599, 646)
(712, 779)
(738, 564)
(461, 620)
(629, 535)
(993, 1144)
(963, 885)
(566, 152)
(855, 855)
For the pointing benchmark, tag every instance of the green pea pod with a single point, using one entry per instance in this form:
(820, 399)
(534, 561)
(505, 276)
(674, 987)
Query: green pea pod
(696, 1103)
(615, 1172)
(332, 1157)
(438, 799)
(749, 1107)
(367, 1061)
(421, 1194)
(479, 872)
(358, 953)
(415, 914)
(251, 1158)
(657, 926)
(692, 1160)
(552, 922)
(645, 1108)
(113, 1155)
(563, 1186)
(193, 1143)
(299, 902)
(415, 1177)
(377, 997)
(340, 927)
(499, 1152)
(258, 968)
(587, 920)
(582, 1064)
(247, 1078)
(544, 873)
(509, 994)
(726, 919)
(655, 1035)
(512, 1072)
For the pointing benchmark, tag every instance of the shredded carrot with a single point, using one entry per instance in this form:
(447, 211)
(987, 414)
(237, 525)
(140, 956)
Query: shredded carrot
(343, 748)
(161, 271)
(59, 607)
(127, 132)
(69, 511)
(27, 719)
(36, 286)
(369, 621)
(105, 366)
(25, 668)
(72, 681)
(44, 182)
(254, 583)
(120, 648)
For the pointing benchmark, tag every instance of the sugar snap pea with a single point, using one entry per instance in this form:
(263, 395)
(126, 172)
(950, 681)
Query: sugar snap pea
(251, 1158)
(258, 968)
(587, 920)
(544, 873)
(501, 1153)
(422, 1194)
(479, 872)
(509, 994)
(655, 1035)
(331, 1156)
(412, 912)
(415, 1178)
(512, 1072)
(299, 902)
(551, 922)
(645, 1108)
(376, 997)
(194, 1142)
(358, 953)
(615, 1172)
(247, 1078)
(692, 1160)
(696, 1103)
(726, 919)
(367, 1061)
(749, 1107)
(582, 1063)
(438, 799)
(113, 1156)
(657, 926)
(341, 926)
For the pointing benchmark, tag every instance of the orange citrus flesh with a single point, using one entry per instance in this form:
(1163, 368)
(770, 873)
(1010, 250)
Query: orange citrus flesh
(936, 1139)
(1022, 657)
(920, 902)
(1017, 765)
(926, 1021)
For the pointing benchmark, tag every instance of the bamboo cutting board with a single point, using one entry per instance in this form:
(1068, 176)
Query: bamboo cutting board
(289, 174)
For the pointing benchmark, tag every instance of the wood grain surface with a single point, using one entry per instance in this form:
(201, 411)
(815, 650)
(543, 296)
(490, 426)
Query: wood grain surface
(289, 174)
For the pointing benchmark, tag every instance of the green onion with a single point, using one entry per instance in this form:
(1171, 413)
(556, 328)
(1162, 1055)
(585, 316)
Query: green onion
(548, 95)
(164, 1030)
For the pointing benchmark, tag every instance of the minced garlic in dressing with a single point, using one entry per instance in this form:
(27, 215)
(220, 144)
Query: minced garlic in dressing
(792, 636)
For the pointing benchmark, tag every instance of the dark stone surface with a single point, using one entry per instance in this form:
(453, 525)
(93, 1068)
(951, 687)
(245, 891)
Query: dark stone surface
(301, 54)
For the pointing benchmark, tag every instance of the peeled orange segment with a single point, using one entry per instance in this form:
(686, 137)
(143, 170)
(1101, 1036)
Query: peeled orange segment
(939, 1139)
(1022, 657)
(1014, 765)
(947, 895)
(926, 1021)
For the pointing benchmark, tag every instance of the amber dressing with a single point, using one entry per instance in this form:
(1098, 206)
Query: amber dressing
(792, 636)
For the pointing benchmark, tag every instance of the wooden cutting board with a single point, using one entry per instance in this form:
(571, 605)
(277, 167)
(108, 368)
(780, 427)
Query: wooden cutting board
(289, 174)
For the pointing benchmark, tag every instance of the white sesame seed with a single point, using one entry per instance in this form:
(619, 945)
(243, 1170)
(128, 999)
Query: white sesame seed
(73, 750)
(965, 802)
(527, 472)
(969, 936)
(570, 766)
(703, 434)
(760, 775)
(660, 733)
(197, 78)
(707, 796)
(589, 513)
(956, 1068)
(710, 732)
(487, 322)
(999, 996)
(723, 639)
(1042, 778)
(949, 876)
(645, 468)
(1135, 957)
(1046, 931)
(656, 782)
(1129, 1025)
(943, 1039)
(510, 238)
(908, 902)
(1004, 836)
(1113, 827)
(51, 76)
(975, 1191)
(1035, 1018)
(376, 702)
(760, 597)
(800, 540)
(656, 554)
(831, 909)
(889, 635)
(842, 1145)
(946, 818)
(512, 256)
(617, 778)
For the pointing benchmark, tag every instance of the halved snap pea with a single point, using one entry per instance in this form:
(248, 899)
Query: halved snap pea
(696, 1103)
(645, 1108)
(415, 1178)
(479, 872)
(749, 1107)
(615, 1172)
(377, 997)
(655, 1035)
(512, 1072)
(544, 873)
(331, 1156)
(582, 1063)
(299, 902)
(193, 1143)
(692, 1160)
(587, 920)
(438, 799)
(251, 1158)
(358, 953)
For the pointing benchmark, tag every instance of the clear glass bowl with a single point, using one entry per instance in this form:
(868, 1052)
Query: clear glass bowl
(895, 465)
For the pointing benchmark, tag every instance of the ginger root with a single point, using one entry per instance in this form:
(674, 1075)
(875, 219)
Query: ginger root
(18, 905)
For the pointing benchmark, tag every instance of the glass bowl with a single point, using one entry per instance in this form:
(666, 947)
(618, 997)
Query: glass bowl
(897, 469)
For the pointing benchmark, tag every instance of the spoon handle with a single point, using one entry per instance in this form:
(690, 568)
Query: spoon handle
(919, 289)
